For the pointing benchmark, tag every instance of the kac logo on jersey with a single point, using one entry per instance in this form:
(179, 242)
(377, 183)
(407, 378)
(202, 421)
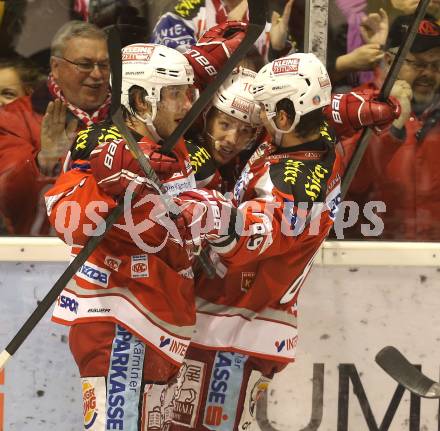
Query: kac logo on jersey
(139, 266)
(68, 303)
(89, 404)
(112, 262)
(247, 278)
(94, 274)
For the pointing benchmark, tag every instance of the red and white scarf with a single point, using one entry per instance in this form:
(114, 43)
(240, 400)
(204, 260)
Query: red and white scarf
(88, 119)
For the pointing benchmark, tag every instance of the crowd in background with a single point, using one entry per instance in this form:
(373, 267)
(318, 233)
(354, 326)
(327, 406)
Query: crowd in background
(36, 129)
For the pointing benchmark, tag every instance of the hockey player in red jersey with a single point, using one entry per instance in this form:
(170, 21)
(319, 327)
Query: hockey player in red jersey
(230, 126)
(130, 306)
(287, 198)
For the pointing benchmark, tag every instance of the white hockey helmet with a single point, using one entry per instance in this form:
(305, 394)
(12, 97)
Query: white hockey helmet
(152, 67)
(301, 78)
(234, 97)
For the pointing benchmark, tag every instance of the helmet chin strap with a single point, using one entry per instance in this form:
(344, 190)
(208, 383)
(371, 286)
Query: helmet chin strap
(148, 121)
(204, 116)
(216, 141)
(278, 132)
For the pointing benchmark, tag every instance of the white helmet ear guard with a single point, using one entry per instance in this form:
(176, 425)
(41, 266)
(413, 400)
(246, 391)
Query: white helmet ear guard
(234, 97)
(301, 78)
(152, 67)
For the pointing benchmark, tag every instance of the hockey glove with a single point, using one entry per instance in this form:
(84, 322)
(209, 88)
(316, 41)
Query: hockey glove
(350, 112)
(114, 167)
(205, 215)
(213, 49)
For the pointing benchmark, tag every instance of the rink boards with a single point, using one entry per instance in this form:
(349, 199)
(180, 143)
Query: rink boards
(352, 304)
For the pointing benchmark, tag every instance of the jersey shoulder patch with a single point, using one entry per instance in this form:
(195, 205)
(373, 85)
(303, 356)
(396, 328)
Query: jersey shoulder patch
(328, 135)
(188, 9)
(301, 180)
(201, 161)
(88, 139)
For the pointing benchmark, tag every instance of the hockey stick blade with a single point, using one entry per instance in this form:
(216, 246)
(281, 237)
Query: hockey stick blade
(385, 91)
(406, 374)
(256, 26)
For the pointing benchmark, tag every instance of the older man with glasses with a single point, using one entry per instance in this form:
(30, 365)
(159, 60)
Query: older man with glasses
(401, 167)
(36, 130)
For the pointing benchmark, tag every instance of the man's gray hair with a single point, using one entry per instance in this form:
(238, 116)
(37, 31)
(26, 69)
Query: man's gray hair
(71, 30)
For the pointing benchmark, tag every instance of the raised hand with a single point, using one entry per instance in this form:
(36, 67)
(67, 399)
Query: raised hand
(280, 27)
(365, 57)
(375, 27)
(56, 137)
(237, 13)
(213, 49)
(351, 111)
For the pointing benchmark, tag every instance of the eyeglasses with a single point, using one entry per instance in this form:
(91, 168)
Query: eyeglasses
(420, 65)
(88, 66)
(423, 65)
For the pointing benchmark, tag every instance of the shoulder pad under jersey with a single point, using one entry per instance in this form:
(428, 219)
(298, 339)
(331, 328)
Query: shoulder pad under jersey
(302, 180)
(201, 162)
(328, 134)
(188, 9)
(86, 140)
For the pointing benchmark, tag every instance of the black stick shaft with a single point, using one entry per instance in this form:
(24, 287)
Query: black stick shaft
(59, 285)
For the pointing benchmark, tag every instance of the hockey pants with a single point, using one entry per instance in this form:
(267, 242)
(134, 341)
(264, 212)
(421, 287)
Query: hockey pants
(125, 383)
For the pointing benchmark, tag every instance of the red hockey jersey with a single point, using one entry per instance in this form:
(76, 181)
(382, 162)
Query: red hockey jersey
(250, 307)
(136, 276)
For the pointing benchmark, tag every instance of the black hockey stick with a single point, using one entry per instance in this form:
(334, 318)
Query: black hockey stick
(406, 374)
(384, 94)
(114, 48)
(257, 21)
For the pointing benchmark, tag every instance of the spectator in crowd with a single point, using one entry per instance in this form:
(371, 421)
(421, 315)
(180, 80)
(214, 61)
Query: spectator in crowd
(184, 22)
(18, 77)
(355, 42)
(355, 39)
(33, 132)
(400, 167)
